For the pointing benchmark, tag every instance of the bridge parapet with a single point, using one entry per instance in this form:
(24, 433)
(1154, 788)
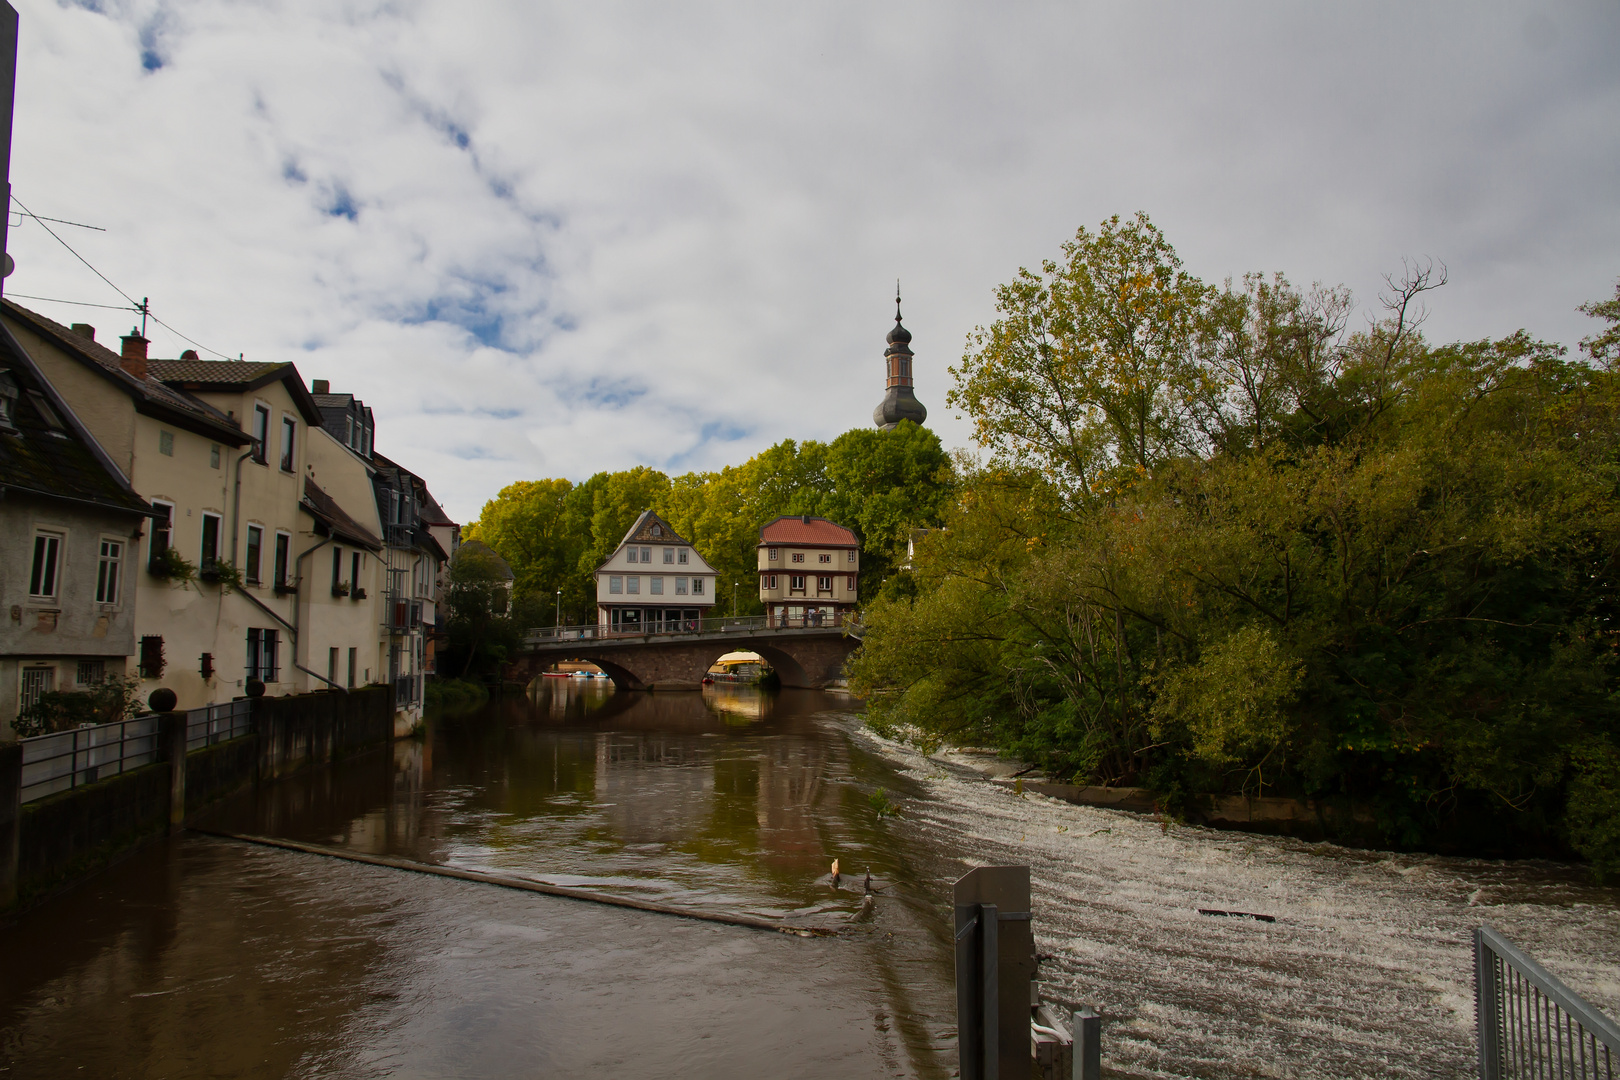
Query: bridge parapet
(730, 625)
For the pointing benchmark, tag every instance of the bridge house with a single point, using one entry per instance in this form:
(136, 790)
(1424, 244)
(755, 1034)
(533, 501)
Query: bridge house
(808, 571)
(654, 582)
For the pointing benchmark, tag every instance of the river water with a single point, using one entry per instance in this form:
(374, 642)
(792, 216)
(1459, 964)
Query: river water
(211, 957)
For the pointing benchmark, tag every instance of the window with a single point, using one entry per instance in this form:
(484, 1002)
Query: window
(283, 544)
(337, 570)
(205, 666)
(262, 647)
(630, 555)
(91, 672)
(8, 402)
(669, 556)
(850, 584)
(681, 557)
(348, 431)
(655, 585)
(849, 556)
(770, 581)
(210, 540)
(36, 682)
(354, 575)
(162, 531)
(47, 561)
(680, 586)
(825, 558)
(796, 583)
(615, 584)
(166, 443)
(798, 556)
(697, 586)
(255, 547)
(632, 585)
(772, 554)
(288, 427)
(261, 432)
(646, 555)
(331, 665)
(354, 656)
(213, 456)
(824, 583)
(152, 662)
(112, 557)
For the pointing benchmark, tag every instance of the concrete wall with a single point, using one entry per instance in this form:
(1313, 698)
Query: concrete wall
(66, 836)
(58, 633)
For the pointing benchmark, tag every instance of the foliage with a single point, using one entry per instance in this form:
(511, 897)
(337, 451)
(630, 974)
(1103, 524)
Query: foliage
(112, 700)
(225, 574)
(1251, 549)
(1604, 346)
(173, 567)
(554, 533)
(451, 697)
(482, 633)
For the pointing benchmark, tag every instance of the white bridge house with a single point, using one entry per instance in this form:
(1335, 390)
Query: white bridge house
(654, 582)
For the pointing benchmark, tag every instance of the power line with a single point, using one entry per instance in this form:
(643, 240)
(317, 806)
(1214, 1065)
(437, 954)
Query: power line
(79, 303)
(141, 307)
(64, 221)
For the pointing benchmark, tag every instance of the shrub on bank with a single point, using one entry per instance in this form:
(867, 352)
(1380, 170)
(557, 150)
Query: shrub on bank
(454, 696)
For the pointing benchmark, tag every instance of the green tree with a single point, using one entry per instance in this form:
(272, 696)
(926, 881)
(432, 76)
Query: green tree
(481, 631)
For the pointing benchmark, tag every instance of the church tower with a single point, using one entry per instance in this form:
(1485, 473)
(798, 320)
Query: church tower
(899, 402)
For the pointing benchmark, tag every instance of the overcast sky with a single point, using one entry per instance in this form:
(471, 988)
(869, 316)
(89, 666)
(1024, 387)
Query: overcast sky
(547, 240)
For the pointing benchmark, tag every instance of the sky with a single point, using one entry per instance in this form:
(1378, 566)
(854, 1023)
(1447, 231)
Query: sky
(552, 239)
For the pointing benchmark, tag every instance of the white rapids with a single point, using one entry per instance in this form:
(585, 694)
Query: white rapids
(1366, 972)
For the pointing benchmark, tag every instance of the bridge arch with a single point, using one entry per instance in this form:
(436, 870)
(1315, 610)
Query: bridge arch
(810, 658)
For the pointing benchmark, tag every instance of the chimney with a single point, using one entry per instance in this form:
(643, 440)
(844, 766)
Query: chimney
(320, 386)
(134, 357)
(190, 354)
(805, 519)
(85, 330)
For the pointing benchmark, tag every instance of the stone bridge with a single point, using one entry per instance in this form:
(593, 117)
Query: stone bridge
(807, 657)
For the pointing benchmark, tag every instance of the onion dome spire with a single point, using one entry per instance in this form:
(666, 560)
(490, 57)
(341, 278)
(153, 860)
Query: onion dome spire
(899, 401)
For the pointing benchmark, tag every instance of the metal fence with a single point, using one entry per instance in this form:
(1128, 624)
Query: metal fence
(70, 759)
(1530, 1024)
(213, 724)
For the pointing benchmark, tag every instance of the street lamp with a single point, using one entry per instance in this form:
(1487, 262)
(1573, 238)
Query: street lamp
(557, 620)
(734, 585)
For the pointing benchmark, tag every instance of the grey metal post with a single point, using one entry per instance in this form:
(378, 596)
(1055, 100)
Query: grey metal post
(173, 727)
(989, 987)
(994, 972)
(1487, 1010)
(8, 94)
(1087, 1028)
(10, 820)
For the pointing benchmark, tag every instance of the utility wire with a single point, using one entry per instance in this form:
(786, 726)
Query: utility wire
(79, 303)
(62, 221)
(141, 307)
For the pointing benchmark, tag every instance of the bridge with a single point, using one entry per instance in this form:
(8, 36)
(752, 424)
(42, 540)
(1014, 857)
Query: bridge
(677, 657)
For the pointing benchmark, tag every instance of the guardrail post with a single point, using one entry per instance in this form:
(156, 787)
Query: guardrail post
(1087, 1028)
(1487, 1010)
(995, 966)
(10, 820)
(172, 737)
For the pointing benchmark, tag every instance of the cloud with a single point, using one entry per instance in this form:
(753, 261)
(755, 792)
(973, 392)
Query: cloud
(553, 239)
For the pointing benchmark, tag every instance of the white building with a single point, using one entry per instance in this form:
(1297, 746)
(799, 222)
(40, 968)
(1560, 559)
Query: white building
(654, 582)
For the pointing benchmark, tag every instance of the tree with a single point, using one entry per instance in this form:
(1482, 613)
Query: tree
(481, 630)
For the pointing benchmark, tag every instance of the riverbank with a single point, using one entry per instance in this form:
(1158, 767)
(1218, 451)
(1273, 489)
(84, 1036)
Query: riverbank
(1366, 972)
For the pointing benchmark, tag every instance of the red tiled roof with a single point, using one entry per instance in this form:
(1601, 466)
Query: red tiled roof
(815, 531)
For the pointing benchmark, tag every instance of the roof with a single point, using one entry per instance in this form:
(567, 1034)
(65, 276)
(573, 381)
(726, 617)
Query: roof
(815, 531)
(47, 451)
(323, 508)
(432, 512)
(233, 376)
(151, 396)
(333, 401)
(650, 528)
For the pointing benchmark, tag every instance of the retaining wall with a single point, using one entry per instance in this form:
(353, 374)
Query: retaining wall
(67, 836)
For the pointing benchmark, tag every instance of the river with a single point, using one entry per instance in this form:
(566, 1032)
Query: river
(209, 957)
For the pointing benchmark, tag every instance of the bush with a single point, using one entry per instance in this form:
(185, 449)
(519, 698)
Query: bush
(454, 696)
(111, 701)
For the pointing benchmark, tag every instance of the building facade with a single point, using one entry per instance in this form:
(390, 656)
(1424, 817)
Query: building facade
(654, 582)
(809, 571)
(68, 522)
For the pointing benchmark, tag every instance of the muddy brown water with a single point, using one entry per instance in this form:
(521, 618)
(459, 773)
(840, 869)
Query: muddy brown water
(209, 957)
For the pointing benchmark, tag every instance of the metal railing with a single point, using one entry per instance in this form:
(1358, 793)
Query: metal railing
(69, 759)
(541, 635)
(1530, 1024)
(214, 724)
